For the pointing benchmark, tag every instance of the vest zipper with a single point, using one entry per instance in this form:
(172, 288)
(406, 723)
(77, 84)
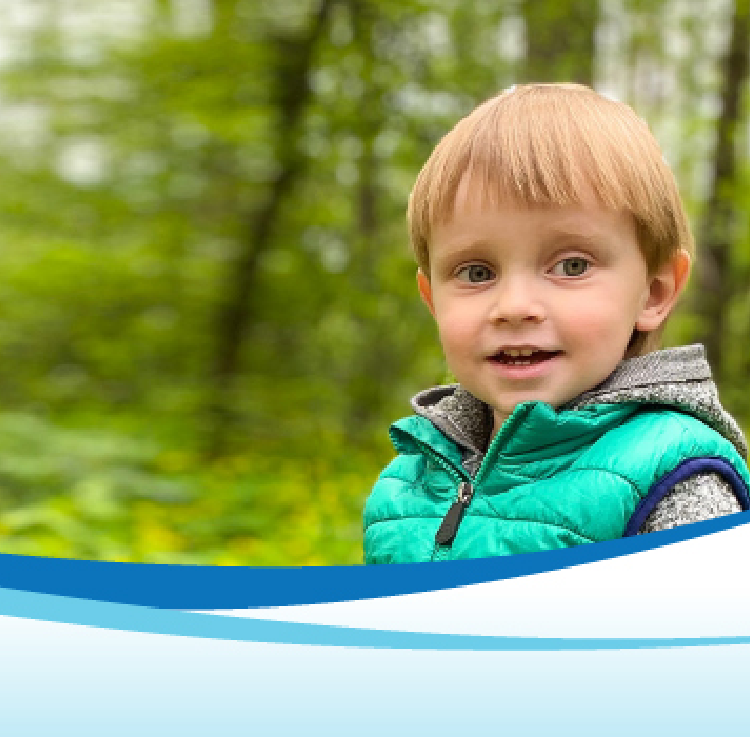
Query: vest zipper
(449, 526)
(451, 521)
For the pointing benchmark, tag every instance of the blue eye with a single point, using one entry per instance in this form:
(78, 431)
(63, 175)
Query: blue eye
(475, 273)
(571, 267)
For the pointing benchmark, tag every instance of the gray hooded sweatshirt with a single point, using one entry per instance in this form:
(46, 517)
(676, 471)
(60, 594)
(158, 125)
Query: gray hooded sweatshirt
(678, 377)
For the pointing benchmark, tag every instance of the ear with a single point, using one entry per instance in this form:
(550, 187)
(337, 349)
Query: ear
(664, 289)
(425, 290)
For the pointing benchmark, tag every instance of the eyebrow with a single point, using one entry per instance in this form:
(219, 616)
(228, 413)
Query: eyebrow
(585, 237)
(459, 247)
(590, 236)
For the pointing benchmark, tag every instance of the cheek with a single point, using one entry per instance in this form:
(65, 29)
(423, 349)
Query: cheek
(456, 328)
(599, 323)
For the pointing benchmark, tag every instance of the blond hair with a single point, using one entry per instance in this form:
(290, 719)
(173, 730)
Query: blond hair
(555, 144)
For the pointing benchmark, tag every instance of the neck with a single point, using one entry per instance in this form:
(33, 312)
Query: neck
(499, 420)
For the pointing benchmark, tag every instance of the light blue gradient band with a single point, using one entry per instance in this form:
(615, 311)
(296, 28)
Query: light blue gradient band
(129, 618)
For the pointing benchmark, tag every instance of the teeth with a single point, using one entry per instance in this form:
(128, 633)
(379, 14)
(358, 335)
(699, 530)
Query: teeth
(519, 352)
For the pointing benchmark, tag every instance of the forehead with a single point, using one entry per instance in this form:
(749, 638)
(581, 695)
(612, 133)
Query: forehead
(585, 212)
(477, 220)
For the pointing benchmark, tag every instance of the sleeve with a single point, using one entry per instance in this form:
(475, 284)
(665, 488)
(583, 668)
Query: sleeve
(697, 498)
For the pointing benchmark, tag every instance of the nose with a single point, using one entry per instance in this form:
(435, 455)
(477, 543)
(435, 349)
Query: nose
(515, 300)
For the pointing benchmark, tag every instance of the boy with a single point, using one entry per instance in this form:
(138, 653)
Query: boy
(552, 244)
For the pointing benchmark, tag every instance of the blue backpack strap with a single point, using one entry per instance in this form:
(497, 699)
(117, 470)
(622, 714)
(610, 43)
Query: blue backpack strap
(682, 472)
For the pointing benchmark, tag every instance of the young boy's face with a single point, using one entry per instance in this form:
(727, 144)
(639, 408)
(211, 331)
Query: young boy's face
(539, 303)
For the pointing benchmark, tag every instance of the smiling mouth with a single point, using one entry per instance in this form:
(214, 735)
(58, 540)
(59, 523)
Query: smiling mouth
(523, 357)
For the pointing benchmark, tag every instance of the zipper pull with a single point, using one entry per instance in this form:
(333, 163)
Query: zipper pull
(449, 526)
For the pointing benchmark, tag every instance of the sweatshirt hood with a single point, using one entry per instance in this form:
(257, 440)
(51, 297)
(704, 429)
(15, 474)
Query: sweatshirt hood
(679, 377)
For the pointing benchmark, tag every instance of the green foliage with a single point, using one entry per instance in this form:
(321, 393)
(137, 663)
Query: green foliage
(84, 494)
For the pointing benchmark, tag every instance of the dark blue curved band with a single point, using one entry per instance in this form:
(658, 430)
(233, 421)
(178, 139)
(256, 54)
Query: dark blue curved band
(207, 587)
(681, 473)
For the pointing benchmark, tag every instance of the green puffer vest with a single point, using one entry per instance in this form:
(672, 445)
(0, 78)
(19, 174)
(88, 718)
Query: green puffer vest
(550, 479)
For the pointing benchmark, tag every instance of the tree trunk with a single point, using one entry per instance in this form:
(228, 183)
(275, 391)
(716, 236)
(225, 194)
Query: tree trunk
(366, 377)
(714, 254)
(294, 60)
(560, 40)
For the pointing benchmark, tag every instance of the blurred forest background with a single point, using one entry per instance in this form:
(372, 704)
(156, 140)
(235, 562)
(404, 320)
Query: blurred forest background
(208, 315)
